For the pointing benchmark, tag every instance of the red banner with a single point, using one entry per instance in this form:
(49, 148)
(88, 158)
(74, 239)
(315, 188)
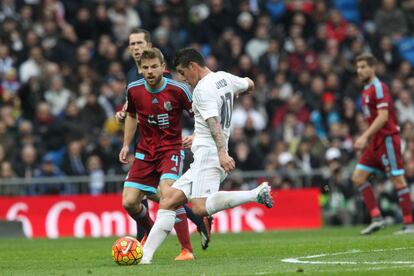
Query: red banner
(103, 215)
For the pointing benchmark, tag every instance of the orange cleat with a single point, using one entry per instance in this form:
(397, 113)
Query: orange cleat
(185, 255)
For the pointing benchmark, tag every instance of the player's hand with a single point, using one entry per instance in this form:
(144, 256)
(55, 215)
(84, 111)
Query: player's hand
(361, 143)
(226, 161)
(187, 141)
(123, 155)
(121, 115)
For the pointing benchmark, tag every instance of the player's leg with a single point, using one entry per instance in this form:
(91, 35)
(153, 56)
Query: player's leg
(369, 163)
(360, 179)
(131, 201)
(165, 221)
(218, 201)
(396, 171)
(141, 230)
(203, 223)
(141, 180)
(206, 198)
(180, 226)
(404, 199)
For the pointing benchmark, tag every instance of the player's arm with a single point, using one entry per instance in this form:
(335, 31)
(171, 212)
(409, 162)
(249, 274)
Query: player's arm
(250, 87)
(242, 86)
(226, 161)
(129, 134)
(376, 125)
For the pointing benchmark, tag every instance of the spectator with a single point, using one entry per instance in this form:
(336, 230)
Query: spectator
(32, 67)
(219, 19)
(302, 58)
(247, 158)
(259, 44)
(290, 129)
(49, 169)
(123, 19)
(49, 128)
(96, 174)
(388, 54)
(74, 158)
(269, 61)
(390, 20)
(327, 116)
(27, 163)
(6, 170)
(57, 96)
(340, 206)
(405, 107)
(245, 111)
(336, 27)
(294, 105)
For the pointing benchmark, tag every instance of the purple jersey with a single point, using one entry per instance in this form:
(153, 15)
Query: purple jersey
(159, 115)
(376, 96)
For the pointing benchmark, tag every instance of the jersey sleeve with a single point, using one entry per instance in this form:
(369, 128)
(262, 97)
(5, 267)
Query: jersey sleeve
(130, 103)
(205, 101)
(187, 99)
(239, 84)
(381, 95)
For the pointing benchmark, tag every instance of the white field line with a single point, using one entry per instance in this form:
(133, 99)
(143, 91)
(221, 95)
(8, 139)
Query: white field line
(304, 259)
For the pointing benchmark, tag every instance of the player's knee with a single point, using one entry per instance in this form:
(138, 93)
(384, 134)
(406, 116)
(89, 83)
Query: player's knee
(357, 179)
(167, 203)
(129, 204)
(398, 182)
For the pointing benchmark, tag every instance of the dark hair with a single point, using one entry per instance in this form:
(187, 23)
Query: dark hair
(152, 53)
(368, 58)
(147, 35)
(184, 56)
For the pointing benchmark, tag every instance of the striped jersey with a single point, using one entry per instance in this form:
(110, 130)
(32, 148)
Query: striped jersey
(375, 96)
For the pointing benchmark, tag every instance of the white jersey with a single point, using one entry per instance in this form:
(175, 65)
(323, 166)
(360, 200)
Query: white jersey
(213, 96)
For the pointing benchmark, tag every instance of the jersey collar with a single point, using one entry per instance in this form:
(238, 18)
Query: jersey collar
(149, 89)
(371, 83)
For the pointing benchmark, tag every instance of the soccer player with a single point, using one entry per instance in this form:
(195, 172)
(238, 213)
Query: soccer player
(157, 102)
(139, 40)
(381, 147)
(212, 106)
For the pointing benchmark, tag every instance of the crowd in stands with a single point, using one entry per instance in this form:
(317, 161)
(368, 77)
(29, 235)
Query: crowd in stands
(62, 78)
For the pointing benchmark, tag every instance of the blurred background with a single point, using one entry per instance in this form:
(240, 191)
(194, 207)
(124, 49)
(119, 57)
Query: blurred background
(63, 71)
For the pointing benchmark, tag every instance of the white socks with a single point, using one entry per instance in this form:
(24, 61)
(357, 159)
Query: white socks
(225, 200)
(160, 230)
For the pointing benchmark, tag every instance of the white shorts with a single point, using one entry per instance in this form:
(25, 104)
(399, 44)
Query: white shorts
(204, 176)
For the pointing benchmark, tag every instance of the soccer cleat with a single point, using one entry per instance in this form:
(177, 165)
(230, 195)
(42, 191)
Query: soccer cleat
(373, 227)
(264, 195)
(205, 231)
(145, 262)
(144, 239)
(185, 255)
(406, 229)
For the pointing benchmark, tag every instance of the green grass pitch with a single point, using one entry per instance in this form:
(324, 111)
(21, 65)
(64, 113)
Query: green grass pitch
(330, 251)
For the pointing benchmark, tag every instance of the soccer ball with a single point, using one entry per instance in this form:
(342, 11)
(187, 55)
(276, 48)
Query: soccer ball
(127, 251)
